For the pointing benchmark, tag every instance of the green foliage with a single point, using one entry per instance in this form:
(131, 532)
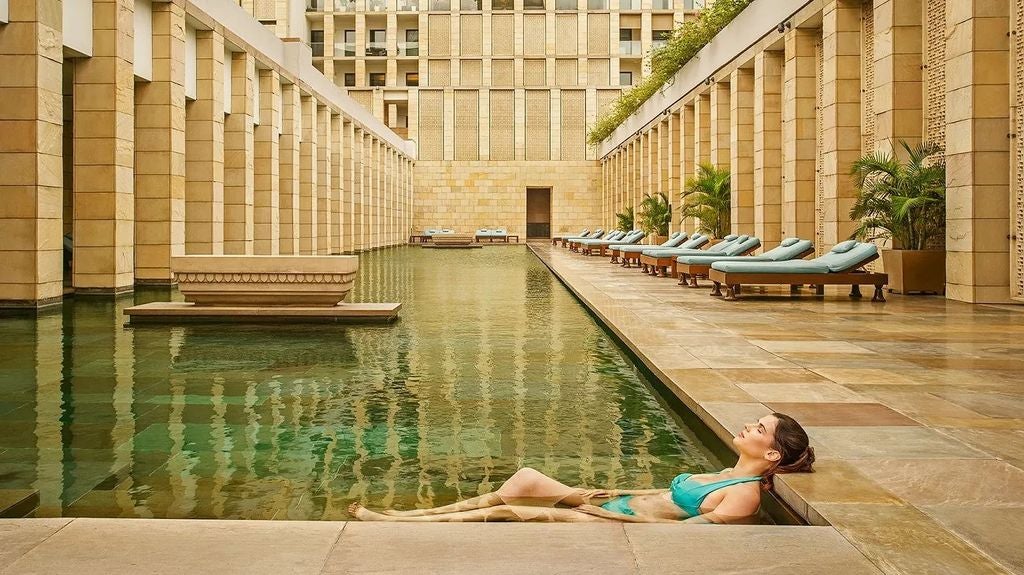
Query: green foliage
(902, 201)
(625, 219)
(683, 44)
(655, 214)
(707, 198)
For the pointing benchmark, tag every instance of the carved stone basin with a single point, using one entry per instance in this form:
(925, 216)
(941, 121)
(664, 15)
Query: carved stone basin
(265, 280)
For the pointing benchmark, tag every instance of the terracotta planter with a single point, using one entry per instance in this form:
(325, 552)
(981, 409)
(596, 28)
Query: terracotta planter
(921, 271)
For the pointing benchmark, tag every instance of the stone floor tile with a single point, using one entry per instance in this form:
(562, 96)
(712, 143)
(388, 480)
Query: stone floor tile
(1006, 445)
(904, 442)
(841, 414)
(802, 392)
(756, 375)
(833, 481)
(377, 547)
(105, 546)
(798, 346)
(902, 539)
(19, 536)
(731, 417)
(703, 549)
(997, 531)
(974, 483)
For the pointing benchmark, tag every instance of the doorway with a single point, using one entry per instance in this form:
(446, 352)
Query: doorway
(538, 213)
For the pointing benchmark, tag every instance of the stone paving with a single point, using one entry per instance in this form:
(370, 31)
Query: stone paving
(103, 546)
(914, 406)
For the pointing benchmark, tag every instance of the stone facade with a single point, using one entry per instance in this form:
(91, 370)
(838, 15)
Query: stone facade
(843, 78)
(219, 141)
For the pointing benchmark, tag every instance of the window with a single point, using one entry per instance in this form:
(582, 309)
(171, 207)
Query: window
(440, 5)
(661, 4)
(349, 46)
(627, 45)
(625, 78)
(412, 43)
(533, 5)
(502, 5)
(659, 38)
(471, 5)
(316, 42)
(350, 78)
(377, 78)
(378, 44)
(412, 78)
(565, 4)
(597, 4)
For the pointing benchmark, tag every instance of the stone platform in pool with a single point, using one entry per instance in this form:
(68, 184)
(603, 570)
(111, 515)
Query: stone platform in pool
(914, 407)
(170, 312)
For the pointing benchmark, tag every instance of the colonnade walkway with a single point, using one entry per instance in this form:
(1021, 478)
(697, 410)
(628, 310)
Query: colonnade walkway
(913, 406)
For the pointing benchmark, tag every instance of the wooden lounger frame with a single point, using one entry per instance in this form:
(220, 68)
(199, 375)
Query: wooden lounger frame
(854, 276)
(688, 273)
(653, 265)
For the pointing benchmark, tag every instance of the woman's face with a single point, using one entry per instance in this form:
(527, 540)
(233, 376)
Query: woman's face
(758, 439)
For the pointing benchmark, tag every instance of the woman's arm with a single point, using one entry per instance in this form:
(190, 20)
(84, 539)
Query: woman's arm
(735, 507)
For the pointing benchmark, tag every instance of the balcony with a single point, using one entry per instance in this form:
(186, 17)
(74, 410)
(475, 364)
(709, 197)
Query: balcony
(315, 5)
(408, 5)
(440, 5)
(317, 48)
(629, 4)
(470, 5)
(408, 48)
(344, 5)
(661, 4)
(629, 47)
(376, 48)
(376, 5)
(658, 43)
(344, 49)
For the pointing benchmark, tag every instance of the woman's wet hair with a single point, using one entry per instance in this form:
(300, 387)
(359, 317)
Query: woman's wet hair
(797, 456)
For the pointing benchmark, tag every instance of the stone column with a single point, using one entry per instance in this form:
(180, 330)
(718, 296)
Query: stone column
(799, 134)
(349, 185)
(720, 124)
(768, 147)
(840, 115)
(267, 179)
(104, 140)
(31, 155)
(337, 186)
(308, 178)
(701, 130)
(239, 159)
(160, 151)
(361, 177)
(324, 175)
(204, 149)
(674, 159)
(290, 144)
(687, 154)
(741, 150)
(977, 152)
(897, 72)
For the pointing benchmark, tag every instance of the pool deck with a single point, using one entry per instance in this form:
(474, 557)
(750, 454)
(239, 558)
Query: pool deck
(915, 406)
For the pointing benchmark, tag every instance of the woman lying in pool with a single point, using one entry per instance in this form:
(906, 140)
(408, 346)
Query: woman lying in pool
(775, 444)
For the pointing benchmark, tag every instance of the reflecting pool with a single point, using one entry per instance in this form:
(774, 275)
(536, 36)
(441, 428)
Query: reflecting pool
(493, 365)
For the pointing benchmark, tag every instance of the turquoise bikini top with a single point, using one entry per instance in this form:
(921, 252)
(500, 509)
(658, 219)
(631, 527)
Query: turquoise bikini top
(688, 495)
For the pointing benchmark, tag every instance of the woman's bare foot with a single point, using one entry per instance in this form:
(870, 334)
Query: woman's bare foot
(363, 514)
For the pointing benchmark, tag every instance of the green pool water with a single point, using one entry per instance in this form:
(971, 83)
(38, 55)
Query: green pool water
(493, 365)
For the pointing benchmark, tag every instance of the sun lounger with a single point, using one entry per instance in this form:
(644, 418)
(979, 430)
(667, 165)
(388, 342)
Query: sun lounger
(612, 236)
(843, 265)
(661, 260)
(631, 253)
(491, 234)
(692, 267)
(582, 234)
(598, 233)
(600, 247)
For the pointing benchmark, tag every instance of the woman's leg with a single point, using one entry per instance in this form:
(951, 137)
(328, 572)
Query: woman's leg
(526, 487)
(495, 513)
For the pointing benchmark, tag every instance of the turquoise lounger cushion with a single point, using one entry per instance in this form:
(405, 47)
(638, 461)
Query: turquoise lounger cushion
(829, 263)
(740, 245)
(672, 252)
(675, 235)
(788, 242)
(843, 247)
(788, 252)
(674, 241)
(706, 260)
(730, 237)
(721, 246)
(695, 242)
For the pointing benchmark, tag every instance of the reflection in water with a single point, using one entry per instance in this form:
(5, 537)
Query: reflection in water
(493, 366)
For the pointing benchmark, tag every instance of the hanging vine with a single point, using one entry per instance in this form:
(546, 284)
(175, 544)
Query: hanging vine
(683, 44)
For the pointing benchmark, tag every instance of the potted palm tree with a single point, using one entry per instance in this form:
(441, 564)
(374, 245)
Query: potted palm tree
(706, 198)
(654, 217)
(625, 219)
(905, 202)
